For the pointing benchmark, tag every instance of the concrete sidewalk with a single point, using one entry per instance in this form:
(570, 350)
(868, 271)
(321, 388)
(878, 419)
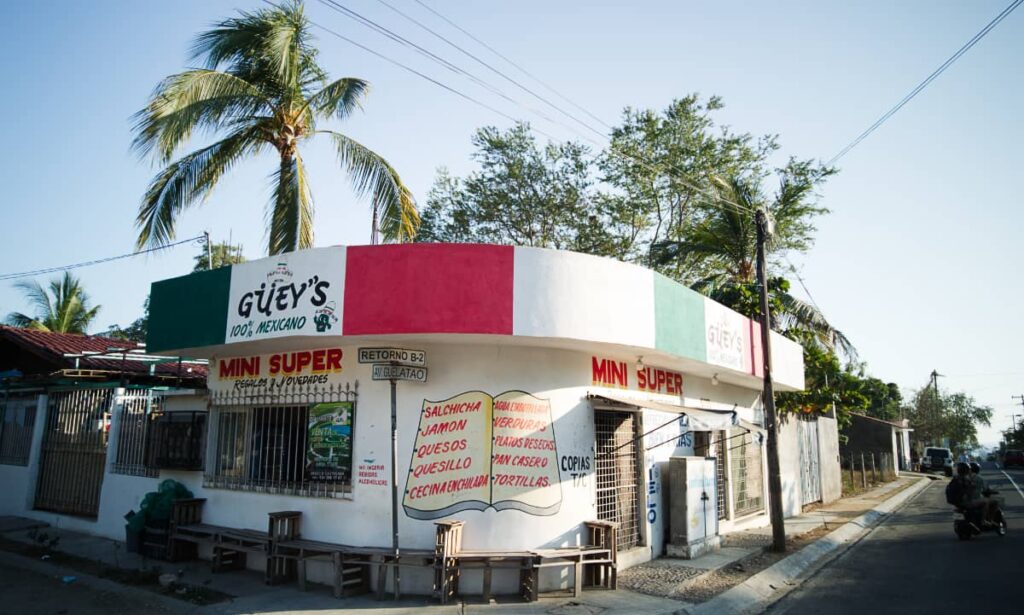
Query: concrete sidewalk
(250, 595)
(690, 581)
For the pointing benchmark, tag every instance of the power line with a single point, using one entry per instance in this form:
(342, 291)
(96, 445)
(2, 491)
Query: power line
(517, 66)
(493, 69)
(29, 274)
(921, 86)
(392, 35)
(716, 197)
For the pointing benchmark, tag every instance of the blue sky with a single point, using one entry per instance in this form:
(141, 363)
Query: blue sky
(917, 262)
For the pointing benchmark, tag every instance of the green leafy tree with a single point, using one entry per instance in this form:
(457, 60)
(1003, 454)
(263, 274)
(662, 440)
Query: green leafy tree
(937, 416)
(222, 254)
(884, 399)
(260, 89)
(659, 165)
(828, 384)
(64, 309)
(523, 195)
(135, 332)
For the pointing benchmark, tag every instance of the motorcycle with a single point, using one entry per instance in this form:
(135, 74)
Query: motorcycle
(969, 522)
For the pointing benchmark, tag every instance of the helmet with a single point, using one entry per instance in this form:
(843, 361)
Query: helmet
(963, 469)
(975, 467)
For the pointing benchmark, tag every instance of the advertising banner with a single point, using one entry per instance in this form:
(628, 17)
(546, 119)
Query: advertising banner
(329, 455)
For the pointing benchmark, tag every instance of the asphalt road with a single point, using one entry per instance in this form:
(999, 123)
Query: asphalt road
(914, 563)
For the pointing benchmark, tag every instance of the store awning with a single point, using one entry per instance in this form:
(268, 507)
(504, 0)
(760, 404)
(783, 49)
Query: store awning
(700, 420)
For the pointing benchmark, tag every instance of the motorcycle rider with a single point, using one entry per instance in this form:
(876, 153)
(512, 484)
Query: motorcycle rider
(978, 488)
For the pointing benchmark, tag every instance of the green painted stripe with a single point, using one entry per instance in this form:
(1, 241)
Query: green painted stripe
(189, 311)
(678, 319)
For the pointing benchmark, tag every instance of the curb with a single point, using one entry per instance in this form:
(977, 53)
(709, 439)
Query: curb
(764, 588)
(166, 603)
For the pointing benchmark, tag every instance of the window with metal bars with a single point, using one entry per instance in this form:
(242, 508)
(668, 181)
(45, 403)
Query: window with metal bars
(747, 476)
(137, 409)
(616, 474)
(16, 424)
(263, 448)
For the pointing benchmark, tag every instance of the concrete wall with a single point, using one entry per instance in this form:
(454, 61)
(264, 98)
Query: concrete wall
(868, 436)
(831, 472)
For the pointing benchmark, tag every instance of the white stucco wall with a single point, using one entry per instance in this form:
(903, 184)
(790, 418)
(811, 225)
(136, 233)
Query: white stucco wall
(559, 376)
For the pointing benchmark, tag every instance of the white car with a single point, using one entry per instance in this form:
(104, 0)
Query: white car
(937, 460)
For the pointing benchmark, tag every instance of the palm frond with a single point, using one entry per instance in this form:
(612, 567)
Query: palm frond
(189, 178)
(270, 43)
(36, 296)
(194, 99)
(339, 98)
(798, 313)
(372, 175)
(17, 319)
(291, 212)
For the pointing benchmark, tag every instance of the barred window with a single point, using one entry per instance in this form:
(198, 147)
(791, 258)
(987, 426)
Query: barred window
(138, 409)
(267, 449)
(18, 420)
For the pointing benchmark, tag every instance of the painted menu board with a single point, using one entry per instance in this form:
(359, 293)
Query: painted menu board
(474, 451)
(329, 456)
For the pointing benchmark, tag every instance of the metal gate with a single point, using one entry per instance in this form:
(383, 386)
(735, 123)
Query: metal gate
(74, 452)
(810, 461)
(616, 472)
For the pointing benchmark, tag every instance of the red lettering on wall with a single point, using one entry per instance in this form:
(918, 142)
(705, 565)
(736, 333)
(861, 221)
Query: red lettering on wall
(607, 372)
(239, 367)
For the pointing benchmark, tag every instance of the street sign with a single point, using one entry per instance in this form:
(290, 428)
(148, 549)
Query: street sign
(386, 371)
(405, 356)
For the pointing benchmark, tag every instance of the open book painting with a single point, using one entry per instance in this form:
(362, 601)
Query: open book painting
(474, 451)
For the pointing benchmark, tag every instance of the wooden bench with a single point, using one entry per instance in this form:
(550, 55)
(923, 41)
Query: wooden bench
(593, 565)
(351, 564)
(231, 545)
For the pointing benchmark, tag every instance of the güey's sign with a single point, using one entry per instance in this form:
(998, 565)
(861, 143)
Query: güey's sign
(296, 295)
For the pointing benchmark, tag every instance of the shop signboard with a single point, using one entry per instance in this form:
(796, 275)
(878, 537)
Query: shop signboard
(385, 371)
(417, 358)
(319, 367)
(728, 337)
(297, 293)
(329, 456)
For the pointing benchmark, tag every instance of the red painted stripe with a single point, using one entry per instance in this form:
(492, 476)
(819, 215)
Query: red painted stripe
(756, 366)
(428, 288)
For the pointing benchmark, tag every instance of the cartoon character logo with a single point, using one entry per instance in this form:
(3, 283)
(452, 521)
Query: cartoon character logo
(280, 274)
(324, 317)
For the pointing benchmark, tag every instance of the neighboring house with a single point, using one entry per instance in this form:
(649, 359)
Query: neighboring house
(76, 409)
(867, 435)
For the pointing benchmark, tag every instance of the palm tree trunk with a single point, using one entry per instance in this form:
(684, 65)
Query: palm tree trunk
(373, 227)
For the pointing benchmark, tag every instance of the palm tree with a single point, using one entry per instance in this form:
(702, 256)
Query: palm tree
(66, 311)
(261, 88)
(722, 244)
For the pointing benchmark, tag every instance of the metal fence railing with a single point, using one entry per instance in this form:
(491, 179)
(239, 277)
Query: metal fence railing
(865, 469)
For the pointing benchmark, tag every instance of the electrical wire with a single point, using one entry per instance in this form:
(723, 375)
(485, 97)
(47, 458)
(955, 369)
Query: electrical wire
(392, 35)
(517, 66)
(492, 69)
(716, 197)
(29, 274)
(921, 86)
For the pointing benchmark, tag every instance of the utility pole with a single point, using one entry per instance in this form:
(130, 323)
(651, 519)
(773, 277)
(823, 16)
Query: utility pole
(936, 411)
(209, 253)
(764, 230)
